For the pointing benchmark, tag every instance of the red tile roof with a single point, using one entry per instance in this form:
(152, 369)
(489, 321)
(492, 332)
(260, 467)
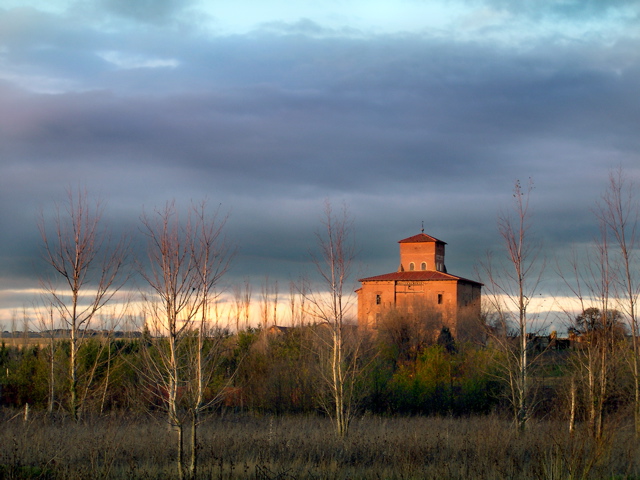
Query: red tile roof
(421, 237)
(418, 275)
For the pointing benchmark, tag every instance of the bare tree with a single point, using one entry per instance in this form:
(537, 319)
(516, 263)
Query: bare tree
(265, 303)
(246, 302)
(297, 301)
(269, 303)
(293, 293)
(87, 269)
(592, 284)
(618, 211)
(14, 328)
(330, 304)
(603, 283)
(186, 262)
(275, 292)
(510, 285)
(237, 306)
(25, 328)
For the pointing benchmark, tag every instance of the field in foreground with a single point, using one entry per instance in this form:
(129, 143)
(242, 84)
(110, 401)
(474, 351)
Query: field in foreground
(268, 447)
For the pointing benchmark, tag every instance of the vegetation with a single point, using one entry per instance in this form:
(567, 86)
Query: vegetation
(240, 446)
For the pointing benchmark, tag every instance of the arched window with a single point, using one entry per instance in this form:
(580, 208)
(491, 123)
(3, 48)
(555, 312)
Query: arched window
(423, 266)
(412, 266)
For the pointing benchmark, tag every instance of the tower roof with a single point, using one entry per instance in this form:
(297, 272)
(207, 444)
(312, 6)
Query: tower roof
(420, 238)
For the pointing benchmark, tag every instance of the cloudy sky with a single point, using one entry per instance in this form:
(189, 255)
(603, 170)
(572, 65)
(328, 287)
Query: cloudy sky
(409, 111)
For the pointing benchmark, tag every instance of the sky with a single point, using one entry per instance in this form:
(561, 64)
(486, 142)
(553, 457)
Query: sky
(410, 112)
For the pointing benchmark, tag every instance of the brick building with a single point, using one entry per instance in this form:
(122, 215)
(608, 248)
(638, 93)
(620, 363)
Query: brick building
(421, 287)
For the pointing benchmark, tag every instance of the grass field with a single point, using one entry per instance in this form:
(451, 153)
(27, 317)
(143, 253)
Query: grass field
(268, 447)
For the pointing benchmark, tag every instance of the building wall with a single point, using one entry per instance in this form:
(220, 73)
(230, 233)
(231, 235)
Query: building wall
(438, 301)
(468, 294)
(373, 299)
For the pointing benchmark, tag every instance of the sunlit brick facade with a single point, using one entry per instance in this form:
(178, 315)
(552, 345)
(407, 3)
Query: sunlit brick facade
(421, 287)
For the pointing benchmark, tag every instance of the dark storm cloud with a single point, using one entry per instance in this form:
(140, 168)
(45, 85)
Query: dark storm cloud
(398, 105)
(405, 128)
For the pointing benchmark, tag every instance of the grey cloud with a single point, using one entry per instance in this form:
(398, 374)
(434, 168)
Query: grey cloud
(305, 28)
(258, 129)
(571, 9)
(146, 11)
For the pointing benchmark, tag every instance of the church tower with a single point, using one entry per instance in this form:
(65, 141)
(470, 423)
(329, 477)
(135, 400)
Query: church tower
(422, 252)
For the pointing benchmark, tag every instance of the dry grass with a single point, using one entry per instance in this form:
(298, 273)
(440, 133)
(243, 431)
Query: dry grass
(265, 447)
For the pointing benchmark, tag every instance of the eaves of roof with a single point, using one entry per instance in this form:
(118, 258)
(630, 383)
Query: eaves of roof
(417, 276)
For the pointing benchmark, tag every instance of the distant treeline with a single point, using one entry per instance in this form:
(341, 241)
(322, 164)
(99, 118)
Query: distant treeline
(66, 333)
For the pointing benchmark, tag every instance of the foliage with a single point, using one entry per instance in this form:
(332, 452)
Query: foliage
(440, 382)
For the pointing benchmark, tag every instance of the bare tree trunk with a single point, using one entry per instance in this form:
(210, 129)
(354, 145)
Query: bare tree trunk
(180, 457)
(25, 329)
(602, 393)
(172, 400)
(199, 388)
(52, 376)
(523, 387)
(73, 363)
(636, 385)
(193, 464)
(275, 303)
(46, 324)
(107, 376)
(246, 301)
(14, 328)
(265, 303)
(237, 305)
(338, 385)
(292, 303)
(572, 409)
(593, 397)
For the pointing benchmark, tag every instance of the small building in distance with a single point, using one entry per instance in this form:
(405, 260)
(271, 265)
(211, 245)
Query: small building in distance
(422, 289)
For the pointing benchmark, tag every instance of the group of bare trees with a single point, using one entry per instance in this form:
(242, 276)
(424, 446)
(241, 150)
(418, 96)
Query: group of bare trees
(180, 274)
(605, 285)
(607, 288)
(186, 261)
